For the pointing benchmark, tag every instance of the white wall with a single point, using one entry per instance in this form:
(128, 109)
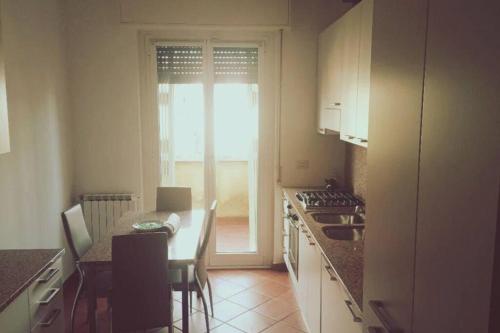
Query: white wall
(36, 176)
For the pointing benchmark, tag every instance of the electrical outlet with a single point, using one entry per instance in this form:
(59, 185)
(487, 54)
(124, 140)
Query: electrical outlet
(302, 164)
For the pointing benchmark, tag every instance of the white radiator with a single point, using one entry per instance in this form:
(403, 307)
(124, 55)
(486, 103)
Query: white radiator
(101, 211)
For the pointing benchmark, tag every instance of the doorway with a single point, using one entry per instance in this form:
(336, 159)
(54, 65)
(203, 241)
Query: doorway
(208, 115)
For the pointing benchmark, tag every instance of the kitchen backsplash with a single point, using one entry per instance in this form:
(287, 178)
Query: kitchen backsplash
(355, 169)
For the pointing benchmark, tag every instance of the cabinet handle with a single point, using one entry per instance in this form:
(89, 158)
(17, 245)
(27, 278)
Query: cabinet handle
(355, 318)
(378, 308)
(52, 293)
(363, 140)
(50, 274)
(330, 272)
(350, 137)
(51, 318)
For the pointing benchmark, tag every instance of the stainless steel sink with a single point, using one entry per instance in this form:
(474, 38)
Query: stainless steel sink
(334, 218)
(345, 232)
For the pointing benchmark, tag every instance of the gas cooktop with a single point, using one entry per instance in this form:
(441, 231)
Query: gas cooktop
(324, 199)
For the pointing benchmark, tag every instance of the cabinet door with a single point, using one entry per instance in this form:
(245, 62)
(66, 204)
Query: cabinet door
(16, 318)
(303, 269)
(396, 101)
(329, 79)
(314, 287)
(365, 58)
(335, 315)
(459, 168)
(350, 24)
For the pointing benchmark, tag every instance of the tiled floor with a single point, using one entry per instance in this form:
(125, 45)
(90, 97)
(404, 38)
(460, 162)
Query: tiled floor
(232, 234)
(245, 301)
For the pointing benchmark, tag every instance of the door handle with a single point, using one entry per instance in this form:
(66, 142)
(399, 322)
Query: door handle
(378, 308)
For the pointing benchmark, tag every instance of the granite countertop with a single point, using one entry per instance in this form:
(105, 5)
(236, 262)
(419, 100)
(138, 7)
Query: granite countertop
(18, 268)
(346, 257)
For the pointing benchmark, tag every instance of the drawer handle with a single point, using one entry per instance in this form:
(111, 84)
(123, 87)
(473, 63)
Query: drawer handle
(52, 293)
(50, 274)
(310, 241)
(51, 318)
(331, 273)
(378, 308)
(355, 318)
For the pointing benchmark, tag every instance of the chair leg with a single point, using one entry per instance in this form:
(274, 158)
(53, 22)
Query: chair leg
(191, 301)
(77, 296)
(205, 307)
(210, 296)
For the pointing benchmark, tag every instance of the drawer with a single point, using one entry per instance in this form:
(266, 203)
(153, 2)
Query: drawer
(45, 293)
(39, 287)
(51, 317)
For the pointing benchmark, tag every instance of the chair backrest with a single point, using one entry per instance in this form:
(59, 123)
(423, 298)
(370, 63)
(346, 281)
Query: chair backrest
(173, 198)
(209, 221)
(141, 293)
(78, 237)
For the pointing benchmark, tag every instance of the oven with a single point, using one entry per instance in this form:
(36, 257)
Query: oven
(291, 237)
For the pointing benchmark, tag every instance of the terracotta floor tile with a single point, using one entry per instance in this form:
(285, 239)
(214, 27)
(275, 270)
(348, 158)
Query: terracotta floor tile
(225, 328)
(245, 279)
(276, 309)
(295, 320)
(226, 289)
(270, 288)
(282, 327)
(289, 296)
(249, 299)
(251, 322)
(197, 323)
(226, 310)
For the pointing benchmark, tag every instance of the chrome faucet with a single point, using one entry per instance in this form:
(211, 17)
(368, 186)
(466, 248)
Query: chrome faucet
(360, 210)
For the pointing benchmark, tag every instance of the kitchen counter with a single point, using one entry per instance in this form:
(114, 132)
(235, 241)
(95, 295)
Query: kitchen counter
(346, 257)
(19, 268)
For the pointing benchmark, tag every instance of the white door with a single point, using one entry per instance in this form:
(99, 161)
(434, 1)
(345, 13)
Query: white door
(210, 129)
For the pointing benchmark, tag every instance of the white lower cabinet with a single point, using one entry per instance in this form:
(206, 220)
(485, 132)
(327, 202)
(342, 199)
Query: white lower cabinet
(337, 316)
(16, 317)
(309, 282)
(40, 308)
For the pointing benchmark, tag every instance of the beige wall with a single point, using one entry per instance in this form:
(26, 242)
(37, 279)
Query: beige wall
(105, 87)
(299, 140)
(104, 83)
(36, 176)
(231, 184)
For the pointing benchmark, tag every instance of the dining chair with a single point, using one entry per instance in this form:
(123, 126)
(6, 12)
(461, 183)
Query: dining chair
(79, 243)
(173, 198)
(142, 295)
(197, 274)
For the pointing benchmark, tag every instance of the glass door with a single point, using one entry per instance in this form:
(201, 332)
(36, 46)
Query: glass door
(208, 96)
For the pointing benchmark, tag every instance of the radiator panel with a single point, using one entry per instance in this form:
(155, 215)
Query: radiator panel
(102, 211)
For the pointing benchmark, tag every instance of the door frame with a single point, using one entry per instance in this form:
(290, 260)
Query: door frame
(269, 64)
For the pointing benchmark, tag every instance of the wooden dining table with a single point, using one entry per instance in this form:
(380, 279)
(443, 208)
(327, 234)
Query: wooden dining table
(182, 250)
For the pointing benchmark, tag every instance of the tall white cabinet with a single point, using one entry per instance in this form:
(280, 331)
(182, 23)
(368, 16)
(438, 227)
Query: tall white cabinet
(344, 60)
(433, 168)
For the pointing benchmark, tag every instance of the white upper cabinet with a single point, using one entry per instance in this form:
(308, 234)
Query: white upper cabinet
(330, 55)
(344, 65)
(364, 68)
(4, 119)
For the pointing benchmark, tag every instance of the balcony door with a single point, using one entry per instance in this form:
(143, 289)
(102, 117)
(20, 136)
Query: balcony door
(208, 119)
